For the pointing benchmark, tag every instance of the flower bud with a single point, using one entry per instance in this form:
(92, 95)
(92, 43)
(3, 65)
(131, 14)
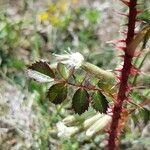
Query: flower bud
(87, 123)
(69, 120)
(99, 125)
(66, 132)
(98, 72)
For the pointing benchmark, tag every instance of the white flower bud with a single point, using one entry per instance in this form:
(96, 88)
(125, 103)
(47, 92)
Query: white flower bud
(69, 120)
(87, 123)
(66, 132)
(99, 125)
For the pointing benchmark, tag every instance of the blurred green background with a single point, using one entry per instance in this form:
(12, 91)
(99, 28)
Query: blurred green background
(31, 30)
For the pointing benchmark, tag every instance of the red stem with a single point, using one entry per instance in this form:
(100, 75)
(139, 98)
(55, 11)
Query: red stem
(114, 131)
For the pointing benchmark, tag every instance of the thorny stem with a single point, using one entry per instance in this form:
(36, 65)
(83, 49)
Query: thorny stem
(114, 131)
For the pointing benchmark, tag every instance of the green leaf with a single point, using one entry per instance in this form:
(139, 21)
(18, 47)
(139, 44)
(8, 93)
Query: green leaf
(144, 16)
(99, 102)
(136, 96)
(92, 15)
(57, 93)
(138, 38)
(106, 87)
(37, 76)
(16, 63)
(80, 101)
(79, 76)
(144, 114)
(64, 72)
(42, 67)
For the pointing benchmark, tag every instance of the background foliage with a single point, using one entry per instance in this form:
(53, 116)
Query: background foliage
(27, 34)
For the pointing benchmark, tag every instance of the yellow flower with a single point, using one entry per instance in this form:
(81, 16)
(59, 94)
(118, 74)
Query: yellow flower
(62, 7)
(43, 17)
(52, 8)
(54, 20)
